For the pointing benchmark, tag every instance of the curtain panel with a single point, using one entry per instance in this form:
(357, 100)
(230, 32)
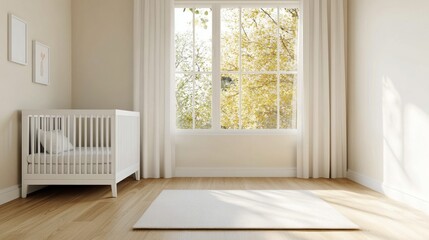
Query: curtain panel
(153, 78)
(322, 149)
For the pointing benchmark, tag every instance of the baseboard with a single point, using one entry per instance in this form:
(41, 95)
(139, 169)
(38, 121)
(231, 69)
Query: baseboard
(365, 181)
(406, 198)
(14, 192)
(389, 191)
(234, 172)
(9, 194)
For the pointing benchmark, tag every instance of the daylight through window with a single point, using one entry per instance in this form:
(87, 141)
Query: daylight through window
(236, 68)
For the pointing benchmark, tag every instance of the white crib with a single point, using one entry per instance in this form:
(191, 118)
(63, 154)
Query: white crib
(79, 147)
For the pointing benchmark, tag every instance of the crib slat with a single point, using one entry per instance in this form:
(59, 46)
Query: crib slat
(55, 157)
(80, 144)
(108, 144)
(96, 144)
(102, 147)
(51, 120)
(63, 133)
(106, 164)
(68, 136)
(56, 146)
(32, 143)
(28, 149)
(45, 124)
(86, 144)
(62, 145)
(102, 144)
(74, 144)
(37, 140)
(91, 133)
(54, 120)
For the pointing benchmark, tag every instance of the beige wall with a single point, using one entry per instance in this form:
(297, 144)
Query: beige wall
(48, 21)
(103, 78)
(388, 100)
(102, 54)
(236, 151)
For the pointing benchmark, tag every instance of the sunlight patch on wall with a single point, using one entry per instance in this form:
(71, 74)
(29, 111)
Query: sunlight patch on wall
(416, 146)
(392, 120)
(393, 157)
(406, 143)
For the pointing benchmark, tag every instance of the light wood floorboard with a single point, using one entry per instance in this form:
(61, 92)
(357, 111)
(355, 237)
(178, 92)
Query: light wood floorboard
(88, 212)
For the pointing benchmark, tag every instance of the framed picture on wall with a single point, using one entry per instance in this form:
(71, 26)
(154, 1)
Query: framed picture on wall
(17, 40)
(41, 61)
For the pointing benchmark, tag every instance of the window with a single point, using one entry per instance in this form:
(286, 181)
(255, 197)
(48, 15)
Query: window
(236, 67)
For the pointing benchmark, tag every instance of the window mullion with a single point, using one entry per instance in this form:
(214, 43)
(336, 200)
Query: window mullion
(278, 68)
(240, 119)
(294, 106)
(193, 69)
(216, 77)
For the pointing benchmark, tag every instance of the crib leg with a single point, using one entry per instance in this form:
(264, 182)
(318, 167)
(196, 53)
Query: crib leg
(114, 190)
(24, 190)
(137, 175)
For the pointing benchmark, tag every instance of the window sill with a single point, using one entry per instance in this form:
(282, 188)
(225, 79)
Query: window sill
(209, 132)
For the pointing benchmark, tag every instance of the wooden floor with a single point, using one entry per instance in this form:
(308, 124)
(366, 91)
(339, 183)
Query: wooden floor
(88, 212)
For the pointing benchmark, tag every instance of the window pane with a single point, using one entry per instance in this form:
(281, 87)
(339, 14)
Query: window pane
(259, 39)
(288, 101)
(230, 38)
(255, 107)
(259, 98)
(229, 101)
(288, 38)
(183, 39)
(203, 39)
(184, 87)
(203, 101)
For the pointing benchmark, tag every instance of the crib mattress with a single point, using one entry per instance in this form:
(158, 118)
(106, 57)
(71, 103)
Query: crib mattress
(78, 154)
(67, 168)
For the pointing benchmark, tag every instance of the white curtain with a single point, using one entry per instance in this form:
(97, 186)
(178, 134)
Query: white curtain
(153, 76)
(322, 119)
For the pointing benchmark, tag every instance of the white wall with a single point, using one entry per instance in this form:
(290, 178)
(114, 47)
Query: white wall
(48, 21)
(102, 54)
(388, 100)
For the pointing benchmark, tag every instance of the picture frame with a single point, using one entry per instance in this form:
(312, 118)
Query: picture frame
(41, 63)
(17, 44)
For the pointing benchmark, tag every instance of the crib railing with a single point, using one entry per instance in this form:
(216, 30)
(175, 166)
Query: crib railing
(75, 147)
(70, 141)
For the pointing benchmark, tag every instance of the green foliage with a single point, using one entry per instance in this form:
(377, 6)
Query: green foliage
(262, 50)
(200, 16)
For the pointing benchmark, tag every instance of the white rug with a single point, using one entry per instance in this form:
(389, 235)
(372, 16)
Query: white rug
(241, 209)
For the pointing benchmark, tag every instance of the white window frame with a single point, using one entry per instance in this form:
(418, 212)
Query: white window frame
(216, 72)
